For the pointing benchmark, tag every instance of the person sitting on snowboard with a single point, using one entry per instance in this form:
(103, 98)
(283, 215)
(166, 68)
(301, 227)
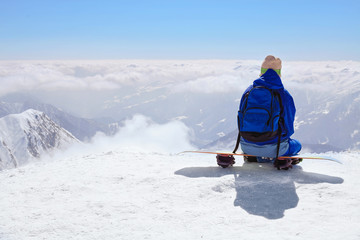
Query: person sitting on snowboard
(280, 144)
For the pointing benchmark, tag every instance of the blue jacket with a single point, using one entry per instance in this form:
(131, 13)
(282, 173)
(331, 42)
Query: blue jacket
(271, 80)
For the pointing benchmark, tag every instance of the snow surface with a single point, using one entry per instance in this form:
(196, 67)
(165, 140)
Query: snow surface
(128, 194)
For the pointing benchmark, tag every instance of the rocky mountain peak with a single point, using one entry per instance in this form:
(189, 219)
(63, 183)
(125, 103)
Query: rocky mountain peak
(29, 135)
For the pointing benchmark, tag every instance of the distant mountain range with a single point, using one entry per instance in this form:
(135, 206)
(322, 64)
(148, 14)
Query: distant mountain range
(82, 128)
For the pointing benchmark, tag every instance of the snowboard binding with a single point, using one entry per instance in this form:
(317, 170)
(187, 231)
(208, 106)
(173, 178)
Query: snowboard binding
(286, 164)
(224, 160)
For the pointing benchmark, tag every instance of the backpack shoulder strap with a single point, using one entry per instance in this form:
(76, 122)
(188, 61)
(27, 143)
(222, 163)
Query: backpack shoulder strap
(237, 142)
(281, 119)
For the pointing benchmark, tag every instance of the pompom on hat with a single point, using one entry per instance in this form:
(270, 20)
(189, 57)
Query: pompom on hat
(271, 62)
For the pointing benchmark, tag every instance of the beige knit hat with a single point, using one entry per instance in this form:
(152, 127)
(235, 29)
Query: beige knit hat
(271, 62)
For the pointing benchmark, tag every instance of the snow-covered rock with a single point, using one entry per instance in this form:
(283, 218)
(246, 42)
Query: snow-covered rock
(29, 135)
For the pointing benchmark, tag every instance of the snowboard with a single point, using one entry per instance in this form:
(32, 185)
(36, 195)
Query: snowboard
(328, 158)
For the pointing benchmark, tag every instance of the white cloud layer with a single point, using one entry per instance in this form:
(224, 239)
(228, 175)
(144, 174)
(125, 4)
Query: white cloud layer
(204, 76)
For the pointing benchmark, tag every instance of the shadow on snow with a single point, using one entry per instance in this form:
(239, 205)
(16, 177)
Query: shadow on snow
(260, 188)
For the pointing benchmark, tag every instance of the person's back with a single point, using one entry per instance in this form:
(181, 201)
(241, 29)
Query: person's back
(266, 116)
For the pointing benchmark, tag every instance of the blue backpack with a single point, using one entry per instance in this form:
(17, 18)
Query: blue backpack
(259, 116)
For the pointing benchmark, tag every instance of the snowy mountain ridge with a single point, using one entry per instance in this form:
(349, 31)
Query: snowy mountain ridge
(83, 129)
(29, 135)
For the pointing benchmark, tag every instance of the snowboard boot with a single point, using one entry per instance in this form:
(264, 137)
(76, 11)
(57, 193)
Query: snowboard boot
(250, 159)
(296, 161)
(224, 160)
(283, 164)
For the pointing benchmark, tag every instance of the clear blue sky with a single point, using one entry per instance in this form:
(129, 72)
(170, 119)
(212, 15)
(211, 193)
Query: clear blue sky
(180, 29)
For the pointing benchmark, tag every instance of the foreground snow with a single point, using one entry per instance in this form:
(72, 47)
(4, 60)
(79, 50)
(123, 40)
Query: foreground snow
(142, 195)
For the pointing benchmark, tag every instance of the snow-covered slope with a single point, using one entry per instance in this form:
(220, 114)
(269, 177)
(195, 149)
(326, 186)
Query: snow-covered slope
(29, 135)
(122, 194)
